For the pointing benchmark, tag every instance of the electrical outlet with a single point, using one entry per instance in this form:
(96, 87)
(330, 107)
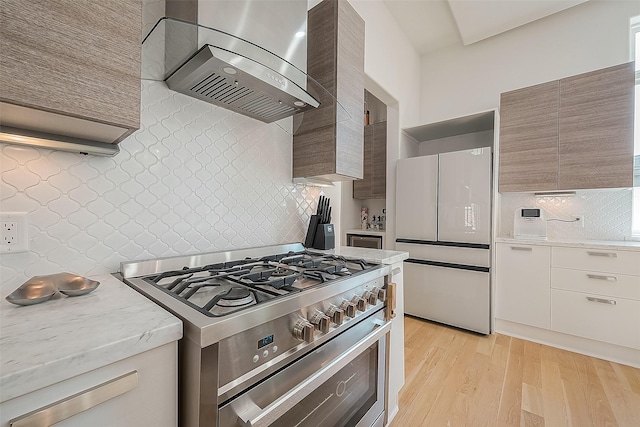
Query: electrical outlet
(14, 236)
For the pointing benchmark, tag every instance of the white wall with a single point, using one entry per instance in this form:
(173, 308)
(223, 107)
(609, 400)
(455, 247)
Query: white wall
(462, 80)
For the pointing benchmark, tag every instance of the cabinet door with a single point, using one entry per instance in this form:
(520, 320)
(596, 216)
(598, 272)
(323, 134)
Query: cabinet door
(363, 188)
(80, 58)
(529, 139)
(416, 197)
(596, 129)
(464, 196)
(379, 161)
(523, 284)
(373, 185)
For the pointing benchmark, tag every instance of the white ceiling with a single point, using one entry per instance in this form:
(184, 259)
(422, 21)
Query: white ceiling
(434, 24)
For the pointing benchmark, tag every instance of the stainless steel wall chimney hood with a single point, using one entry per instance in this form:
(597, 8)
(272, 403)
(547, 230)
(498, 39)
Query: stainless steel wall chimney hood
(224, 69)
(240, 84)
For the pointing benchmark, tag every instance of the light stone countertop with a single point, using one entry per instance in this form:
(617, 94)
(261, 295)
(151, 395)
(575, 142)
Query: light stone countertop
(381, 256)
(50, 342)
(626, 245)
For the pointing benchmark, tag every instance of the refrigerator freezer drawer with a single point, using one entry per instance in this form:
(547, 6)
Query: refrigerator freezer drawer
(447, 295)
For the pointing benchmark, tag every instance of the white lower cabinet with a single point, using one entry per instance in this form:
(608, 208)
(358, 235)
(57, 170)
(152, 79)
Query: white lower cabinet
(138, 391)
(598, 317)
(522, 284)
(596, 294)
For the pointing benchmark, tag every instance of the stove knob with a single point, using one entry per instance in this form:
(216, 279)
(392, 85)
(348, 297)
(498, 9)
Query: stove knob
(360, 302)
(303, 331)
(336, 315)
(321, 322)
(370, 297)
(382, 295)
(349, 308)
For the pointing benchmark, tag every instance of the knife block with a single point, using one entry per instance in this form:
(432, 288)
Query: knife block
(324, 237)
(314, 221)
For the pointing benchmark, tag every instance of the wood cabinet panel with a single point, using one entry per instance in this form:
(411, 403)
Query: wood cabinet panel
(363, 188)
(80, 58)
(529, 138)
(373, 185)
(574, 133)
(595, 147)
(335, 59)
(379, 190)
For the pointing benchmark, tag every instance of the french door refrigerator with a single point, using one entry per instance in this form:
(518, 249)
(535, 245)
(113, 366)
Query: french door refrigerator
(443, 219)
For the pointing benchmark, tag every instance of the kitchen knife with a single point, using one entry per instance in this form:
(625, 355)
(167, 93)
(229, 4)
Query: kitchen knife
(319, 208)
(329, 216)
(325, 218)
(324, 210)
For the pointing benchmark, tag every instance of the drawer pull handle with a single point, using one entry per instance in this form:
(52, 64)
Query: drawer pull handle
(77, 403)
(521, 248)
(605, 254)
(602, 300)
(598, 277)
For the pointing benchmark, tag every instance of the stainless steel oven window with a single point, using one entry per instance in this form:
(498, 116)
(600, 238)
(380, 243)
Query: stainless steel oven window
(339, 384)
(343, 400)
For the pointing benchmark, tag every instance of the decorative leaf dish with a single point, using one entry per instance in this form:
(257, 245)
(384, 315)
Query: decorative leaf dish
(41, 288)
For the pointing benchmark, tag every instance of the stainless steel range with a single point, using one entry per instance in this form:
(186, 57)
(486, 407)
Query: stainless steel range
(275, 335)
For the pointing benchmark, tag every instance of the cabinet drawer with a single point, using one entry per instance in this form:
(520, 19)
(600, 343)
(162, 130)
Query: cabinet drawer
(610, 284)
(607, 319)
(605, 260)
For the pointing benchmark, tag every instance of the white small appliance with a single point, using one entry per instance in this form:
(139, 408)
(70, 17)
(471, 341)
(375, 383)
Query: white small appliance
(529, 223)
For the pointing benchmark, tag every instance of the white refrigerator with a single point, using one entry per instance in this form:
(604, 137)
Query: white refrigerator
(443, 219)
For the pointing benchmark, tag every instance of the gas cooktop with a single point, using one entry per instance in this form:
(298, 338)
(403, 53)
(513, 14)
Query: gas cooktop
(220, 294)
(223, 288)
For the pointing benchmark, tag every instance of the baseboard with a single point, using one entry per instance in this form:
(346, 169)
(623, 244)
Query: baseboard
(601, 350)
(392, 414)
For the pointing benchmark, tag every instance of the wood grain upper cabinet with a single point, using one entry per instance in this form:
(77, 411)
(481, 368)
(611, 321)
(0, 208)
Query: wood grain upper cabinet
(374, 183)
(71, 66)
(529, 138)
(328, 142)
(569, 134)
(595, 149)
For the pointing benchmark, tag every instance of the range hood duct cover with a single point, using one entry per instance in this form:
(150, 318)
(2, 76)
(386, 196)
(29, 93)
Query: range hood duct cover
(241, 84)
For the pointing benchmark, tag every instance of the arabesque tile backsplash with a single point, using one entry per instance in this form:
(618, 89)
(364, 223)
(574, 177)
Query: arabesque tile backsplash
(607, 214)
(194, 178)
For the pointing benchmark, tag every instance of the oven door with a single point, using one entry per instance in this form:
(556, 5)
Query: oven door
(341, 383)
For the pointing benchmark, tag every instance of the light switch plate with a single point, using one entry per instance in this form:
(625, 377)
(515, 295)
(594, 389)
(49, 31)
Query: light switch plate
(14, 232)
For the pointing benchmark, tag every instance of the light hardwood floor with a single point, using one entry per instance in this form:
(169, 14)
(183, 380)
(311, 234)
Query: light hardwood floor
(456, 378)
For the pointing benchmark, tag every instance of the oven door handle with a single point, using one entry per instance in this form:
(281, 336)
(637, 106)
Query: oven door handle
(258, 417)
